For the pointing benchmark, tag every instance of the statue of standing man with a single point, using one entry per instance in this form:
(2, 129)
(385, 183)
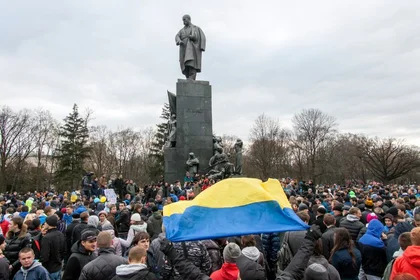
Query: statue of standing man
(192, 42)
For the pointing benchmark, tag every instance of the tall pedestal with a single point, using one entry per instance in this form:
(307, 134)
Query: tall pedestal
(194, 128)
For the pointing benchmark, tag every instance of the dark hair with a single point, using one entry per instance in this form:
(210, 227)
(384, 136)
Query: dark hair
(140, 236)
(25, 208)
(22, 227)
(343, 240)
(303, 216)
(26, 250)
(318, 248)
(248, 241)
(329, 220)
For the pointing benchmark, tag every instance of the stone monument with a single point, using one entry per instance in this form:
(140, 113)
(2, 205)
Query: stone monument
(192, 107)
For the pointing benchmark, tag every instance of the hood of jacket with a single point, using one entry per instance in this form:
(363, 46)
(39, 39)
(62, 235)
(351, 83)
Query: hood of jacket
(34, 265)
(94, 221)
(411, 255)
(78, 248)
(398, 253)
(229, 271)
(127, 269)
(373, 235)
(352, 218)
(251, 253)
(139, 228)
(157, 215)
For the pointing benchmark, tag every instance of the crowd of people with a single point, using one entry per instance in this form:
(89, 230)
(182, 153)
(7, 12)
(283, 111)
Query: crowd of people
(366, 231)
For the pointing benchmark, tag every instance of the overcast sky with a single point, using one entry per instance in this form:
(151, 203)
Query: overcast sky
(356, 60)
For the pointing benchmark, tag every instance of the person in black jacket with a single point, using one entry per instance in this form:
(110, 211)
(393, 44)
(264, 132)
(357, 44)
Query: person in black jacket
(294, 271)
(103, 267)
(320, 212)
(77, 231)
(53, 247)
(69, 233)
(82, 253)
(328, 236)
(4, 263)
(137, 268)
(17, 239)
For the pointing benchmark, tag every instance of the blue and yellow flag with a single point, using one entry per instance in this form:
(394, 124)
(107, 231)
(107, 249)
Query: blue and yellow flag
(232, 207)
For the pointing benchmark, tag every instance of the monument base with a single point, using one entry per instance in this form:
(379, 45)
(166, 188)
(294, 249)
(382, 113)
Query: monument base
(194, 132)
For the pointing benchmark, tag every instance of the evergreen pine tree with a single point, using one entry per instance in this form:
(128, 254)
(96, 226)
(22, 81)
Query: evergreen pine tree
(156, 151)
(73, 151)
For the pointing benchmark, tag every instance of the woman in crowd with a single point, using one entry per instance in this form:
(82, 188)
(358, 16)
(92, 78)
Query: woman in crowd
(345, 257)
(17, 238)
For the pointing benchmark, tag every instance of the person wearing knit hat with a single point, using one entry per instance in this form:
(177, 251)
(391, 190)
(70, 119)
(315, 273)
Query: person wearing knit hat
(229, 270)
(53, 247)
(371, 216)
(316, 271)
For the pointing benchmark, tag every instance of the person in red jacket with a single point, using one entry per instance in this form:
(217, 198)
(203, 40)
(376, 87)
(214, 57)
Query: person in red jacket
(409, 262)
(229, 270)
(4, 224)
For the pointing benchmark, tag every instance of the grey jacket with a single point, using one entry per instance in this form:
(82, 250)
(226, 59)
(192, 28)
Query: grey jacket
(103, 267)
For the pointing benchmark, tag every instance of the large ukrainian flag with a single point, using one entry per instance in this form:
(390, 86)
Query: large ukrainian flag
(232, 207)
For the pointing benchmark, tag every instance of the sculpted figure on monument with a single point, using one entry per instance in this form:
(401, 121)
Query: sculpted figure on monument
(192, 164)
(238, 156)
(172, 131)
(192, 42)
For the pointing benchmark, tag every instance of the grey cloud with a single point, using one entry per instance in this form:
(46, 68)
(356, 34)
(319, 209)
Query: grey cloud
(356, 61)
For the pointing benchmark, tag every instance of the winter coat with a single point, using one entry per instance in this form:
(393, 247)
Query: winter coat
(332, 272)
(69, 233)
(78, 259)
(409, 262)
(214, 253)
(103, 267)
(4, 225)
(271, 247)
(393, 245)
(320, 222)
(154, 225)
(352, 224)
(134, 229)
(123, 221)
(229, 271)
(155, 257)
(295, 239)
(193, 251)
(133, 272)
(80, 209)
(13, 246)
(373, 250)
(111, 219)
(53, 247)
(250, 269)
(4, 269)
(388, 269)
(35, 272)
(328, 241)
(343, 262)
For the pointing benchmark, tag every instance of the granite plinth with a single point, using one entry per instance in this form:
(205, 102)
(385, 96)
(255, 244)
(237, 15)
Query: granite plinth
(194, 128)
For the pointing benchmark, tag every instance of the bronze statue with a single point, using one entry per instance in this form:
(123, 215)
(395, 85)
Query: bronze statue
(192, 42)
(238, 156)
(192, 164)
(172, 131)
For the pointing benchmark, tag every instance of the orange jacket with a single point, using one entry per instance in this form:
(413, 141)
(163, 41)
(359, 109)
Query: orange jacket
(409, 262)
(229, 271)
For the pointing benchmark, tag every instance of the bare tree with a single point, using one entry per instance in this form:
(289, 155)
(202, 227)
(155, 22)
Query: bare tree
(268, 152)
(312, 131)
(389, 159)
(16, 143)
